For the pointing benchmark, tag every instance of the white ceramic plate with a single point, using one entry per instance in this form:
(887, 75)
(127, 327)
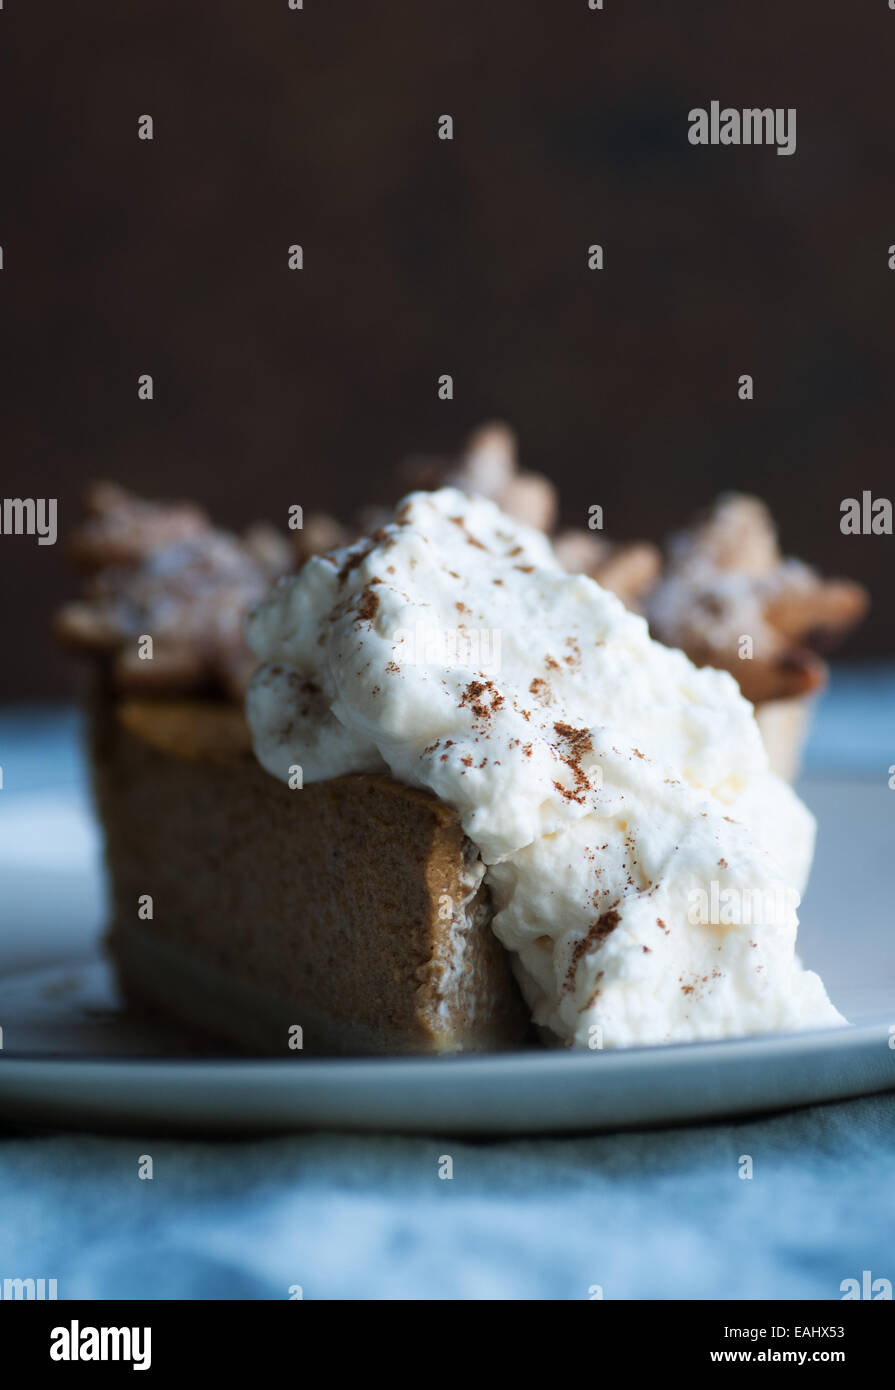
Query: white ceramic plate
(72, 1057)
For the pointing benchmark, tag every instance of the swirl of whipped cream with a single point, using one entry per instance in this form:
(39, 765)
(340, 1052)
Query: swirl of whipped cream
(644, 863)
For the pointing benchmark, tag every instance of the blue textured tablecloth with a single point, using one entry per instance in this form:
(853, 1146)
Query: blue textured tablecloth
(646, 1215)
(657, 1214)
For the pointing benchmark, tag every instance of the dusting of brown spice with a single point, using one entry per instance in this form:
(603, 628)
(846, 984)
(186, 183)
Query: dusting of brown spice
(368, 607)
(353, 561)
(576, 742)
(597, 933)
(475, 694)
(540, 689)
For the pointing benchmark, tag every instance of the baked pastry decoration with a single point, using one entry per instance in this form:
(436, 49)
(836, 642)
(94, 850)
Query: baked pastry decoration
(730, 599)
(162, 570)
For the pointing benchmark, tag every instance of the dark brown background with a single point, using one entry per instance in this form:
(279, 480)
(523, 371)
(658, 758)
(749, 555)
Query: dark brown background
(423, 257)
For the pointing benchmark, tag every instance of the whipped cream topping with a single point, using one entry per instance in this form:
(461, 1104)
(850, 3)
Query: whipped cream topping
(644, 863)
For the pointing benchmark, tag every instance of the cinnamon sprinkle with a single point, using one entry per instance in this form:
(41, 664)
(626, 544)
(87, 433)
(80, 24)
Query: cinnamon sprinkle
(597, 933)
